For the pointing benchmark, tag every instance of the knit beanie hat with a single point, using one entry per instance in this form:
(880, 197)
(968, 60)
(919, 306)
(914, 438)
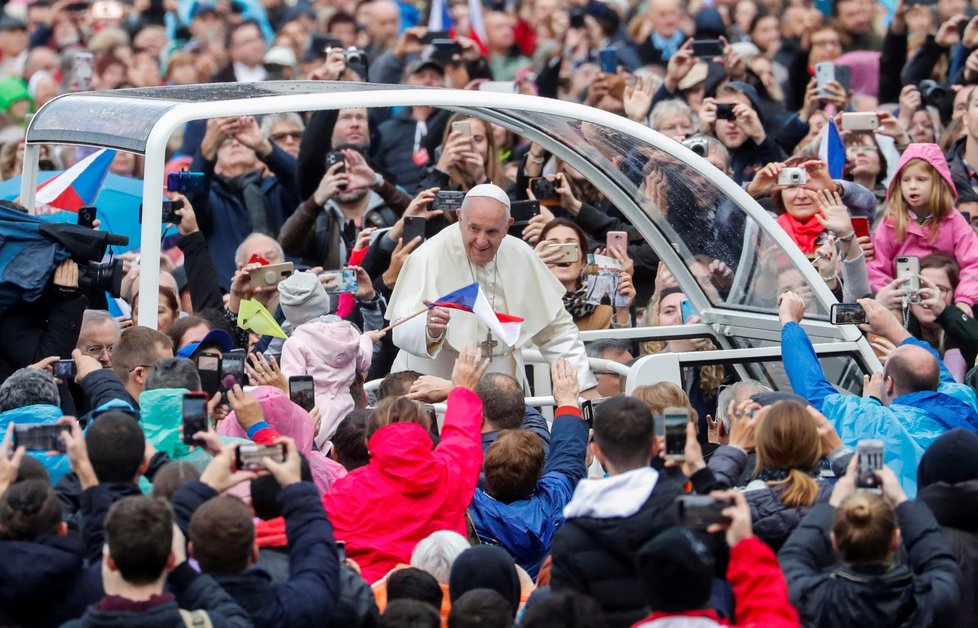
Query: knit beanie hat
(952, 458)
(302, 298)
(676, 571)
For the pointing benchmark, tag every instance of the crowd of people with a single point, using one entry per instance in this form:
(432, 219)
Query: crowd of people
(370, 506)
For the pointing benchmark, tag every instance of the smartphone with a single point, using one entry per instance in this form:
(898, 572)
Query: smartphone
(571, 252)
(725, 111)
(687, 310)
(81, 72)
(209, 369)
(617, 240)
(843, 75)
(907, 266)
(271, 275)
(523, 211)
(445, 50)
(248, 456)
(864, 121)
(168, 213)
(824, 74)
(86, 217)
(302, 392)
(675, 421)
(65, 369)
(334, 157)
(608, 60)
(588, 406)
(860, 226)
(341, 551)
(869, 455)
(462, 127)
(344, 281)
(40, 436)
(414, 226)
(707, 48)
(545, 191)
(702, 511)
(847, 314)
(431, 36)
(233, 371)
(194, 416)
(447, 201)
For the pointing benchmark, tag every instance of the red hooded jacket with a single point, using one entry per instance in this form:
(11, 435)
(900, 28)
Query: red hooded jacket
(408, 490)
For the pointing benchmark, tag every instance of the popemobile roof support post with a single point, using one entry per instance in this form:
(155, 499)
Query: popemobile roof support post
(610, 151)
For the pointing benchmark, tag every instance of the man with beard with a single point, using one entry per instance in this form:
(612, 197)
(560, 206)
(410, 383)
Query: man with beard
(324, 228)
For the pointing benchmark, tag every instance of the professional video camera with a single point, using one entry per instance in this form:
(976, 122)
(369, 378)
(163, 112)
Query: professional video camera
(87, 246)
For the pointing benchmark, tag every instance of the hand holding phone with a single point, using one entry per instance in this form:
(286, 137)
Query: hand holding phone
(194, 416)
(869, 460)
(675, 420)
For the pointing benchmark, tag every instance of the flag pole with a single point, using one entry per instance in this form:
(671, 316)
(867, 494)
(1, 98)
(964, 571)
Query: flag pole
(404, 319)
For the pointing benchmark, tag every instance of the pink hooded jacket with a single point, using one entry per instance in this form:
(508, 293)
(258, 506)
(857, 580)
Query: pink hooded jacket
(954, 235)
(333, 354)
(290, 420)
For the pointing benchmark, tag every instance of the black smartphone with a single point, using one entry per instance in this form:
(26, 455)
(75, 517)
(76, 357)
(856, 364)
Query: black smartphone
(194, 416)
(414, 226)
(302, 392)
(233, 371)
(444, 50)
(702, 511)
(523, 211)
(447, 201)
(544, 190)
(86, 217)
(40, 436)
(341, 550)
(65, 369)
(869, 455)
(209, 369)
(847, 314)
(707, 48)
(431, 36)
(248, 456)
(675, 421)
(725, 111)
(334, 157)
(843, 75)
(588, 407)
(169, 211)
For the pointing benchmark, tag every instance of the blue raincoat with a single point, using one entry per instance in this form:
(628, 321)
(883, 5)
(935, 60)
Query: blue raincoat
(27, 258)
(907, 426)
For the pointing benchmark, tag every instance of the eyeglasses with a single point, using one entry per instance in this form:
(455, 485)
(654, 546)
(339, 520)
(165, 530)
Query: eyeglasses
(281, 137)
(96, 350)
(855, 150)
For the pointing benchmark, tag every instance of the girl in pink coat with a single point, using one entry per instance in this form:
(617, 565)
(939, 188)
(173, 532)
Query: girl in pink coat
(324, 346)
(920, 219)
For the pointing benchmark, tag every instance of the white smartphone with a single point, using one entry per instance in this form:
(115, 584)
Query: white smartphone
(907, 266)
(863, 121)
(824, 74)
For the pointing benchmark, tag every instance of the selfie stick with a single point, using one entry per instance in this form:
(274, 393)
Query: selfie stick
(404, 320)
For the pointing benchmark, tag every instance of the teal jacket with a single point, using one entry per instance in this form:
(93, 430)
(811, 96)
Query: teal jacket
(58, 465)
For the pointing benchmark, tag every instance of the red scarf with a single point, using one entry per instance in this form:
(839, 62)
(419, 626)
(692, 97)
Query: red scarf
(803, 233)
(271, 533)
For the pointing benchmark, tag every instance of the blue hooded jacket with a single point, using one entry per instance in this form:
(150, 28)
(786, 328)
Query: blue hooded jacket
(58, 465)
(907, 426)
(526, 528)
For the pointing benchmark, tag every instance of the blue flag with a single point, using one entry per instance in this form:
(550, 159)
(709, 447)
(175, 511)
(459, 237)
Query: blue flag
(832, 150)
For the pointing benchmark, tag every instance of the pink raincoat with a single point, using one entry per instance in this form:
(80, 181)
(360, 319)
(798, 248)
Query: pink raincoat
(954, 235)
(333, 354)
(290, 420)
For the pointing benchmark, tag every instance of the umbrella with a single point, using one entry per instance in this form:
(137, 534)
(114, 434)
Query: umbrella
(117, 204)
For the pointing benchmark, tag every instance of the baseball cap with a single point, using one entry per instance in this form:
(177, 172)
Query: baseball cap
(420, 64)
(215, 337)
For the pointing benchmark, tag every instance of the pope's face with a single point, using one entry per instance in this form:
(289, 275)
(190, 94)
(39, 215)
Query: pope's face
(484, 225)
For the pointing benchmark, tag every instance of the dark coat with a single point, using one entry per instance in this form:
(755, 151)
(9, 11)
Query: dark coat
(393, 151)
(308, 598)
(774, 522)
(595, 556)
(923, 593)
(954, 506)
(45, 582)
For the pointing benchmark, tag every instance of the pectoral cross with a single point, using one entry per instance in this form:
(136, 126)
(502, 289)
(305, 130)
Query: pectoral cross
(488, 345)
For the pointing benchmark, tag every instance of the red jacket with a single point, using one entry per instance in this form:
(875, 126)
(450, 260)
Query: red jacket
(758, 586)
(408, 490)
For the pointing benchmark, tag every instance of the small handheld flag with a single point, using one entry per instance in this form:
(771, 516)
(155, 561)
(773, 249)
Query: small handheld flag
(832, 150)
(472, 299)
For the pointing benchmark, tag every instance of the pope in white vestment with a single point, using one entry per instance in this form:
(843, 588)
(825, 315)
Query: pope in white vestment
(510, 275)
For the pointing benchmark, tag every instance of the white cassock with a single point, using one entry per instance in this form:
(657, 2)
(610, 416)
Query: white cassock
(515, 282)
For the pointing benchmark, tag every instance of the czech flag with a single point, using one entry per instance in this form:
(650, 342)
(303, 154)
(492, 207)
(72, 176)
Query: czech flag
(77, 186)
(472, 299)
(832, 150)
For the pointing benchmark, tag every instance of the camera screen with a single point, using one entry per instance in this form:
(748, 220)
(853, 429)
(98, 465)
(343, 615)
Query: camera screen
(250, 456)
(676, 434)
(847, 314)
(40, 437)
(302, 392)
(870, 458)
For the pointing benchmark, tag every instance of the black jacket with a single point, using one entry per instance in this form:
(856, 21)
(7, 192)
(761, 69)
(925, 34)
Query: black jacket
(923, 593)
(30, 332)
(954, 507)
(45, 582)
(308, 598)
(193, 591)
(394, 150)
(202, 279)
(595, 555)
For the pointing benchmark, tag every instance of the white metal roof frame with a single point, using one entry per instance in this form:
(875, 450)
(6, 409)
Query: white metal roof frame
(142, 121)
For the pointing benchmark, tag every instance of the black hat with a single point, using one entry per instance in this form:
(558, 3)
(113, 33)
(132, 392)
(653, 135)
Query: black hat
(316, 50)
(952, 458)
(676, 570)
(419, 64)
(765, 399)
